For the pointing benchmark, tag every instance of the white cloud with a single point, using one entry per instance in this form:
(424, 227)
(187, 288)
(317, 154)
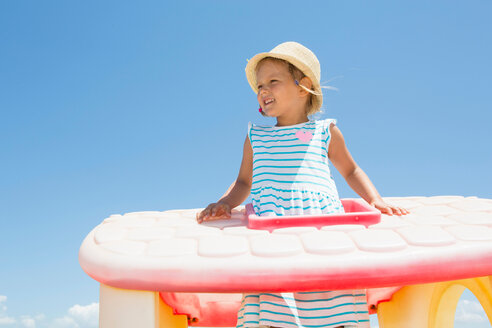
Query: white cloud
(3, 308)
(65, 322)
(78, 316)
(28, 322)
(4, 320)
(469, 312)
(86, 315)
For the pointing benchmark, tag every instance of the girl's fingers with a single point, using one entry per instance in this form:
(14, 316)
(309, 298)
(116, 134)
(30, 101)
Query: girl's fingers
(401, 211)
(203, 215)
(391, 209)
(394, 209)
(214, 211)
(217, 209)
(388, 210)
(199, 216)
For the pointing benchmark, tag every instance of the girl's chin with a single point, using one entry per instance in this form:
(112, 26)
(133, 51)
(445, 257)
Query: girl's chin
(268, 112)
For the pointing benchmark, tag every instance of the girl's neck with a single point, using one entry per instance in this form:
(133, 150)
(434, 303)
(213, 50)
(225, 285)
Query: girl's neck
(293, 120)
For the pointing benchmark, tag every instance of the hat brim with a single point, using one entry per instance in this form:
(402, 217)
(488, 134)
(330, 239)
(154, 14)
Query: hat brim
(251, 75)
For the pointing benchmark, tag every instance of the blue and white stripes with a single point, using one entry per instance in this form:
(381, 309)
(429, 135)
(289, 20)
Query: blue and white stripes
(291, 174)
(313, 309)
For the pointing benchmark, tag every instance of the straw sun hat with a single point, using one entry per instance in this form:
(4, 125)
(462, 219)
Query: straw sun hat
(298, 55)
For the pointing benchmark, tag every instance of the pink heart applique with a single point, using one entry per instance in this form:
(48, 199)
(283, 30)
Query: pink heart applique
(304, 136)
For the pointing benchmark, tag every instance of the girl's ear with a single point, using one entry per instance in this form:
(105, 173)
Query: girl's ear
(306, 83)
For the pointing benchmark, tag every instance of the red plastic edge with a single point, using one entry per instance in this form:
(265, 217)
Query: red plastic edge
(357, 211)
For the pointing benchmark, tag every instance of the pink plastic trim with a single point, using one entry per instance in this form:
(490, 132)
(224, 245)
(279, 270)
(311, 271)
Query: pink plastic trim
(220, 310)
(357, 211)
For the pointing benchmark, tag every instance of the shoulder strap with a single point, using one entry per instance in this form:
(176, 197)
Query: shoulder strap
(326, 129)
(250, 125)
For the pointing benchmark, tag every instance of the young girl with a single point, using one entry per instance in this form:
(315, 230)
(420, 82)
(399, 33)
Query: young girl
(285, 168)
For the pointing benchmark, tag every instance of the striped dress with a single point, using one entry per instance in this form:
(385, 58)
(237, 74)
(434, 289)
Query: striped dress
(291, 176)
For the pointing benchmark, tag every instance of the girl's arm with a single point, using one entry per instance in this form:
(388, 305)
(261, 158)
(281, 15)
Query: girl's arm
(236, 194)
(355, 177)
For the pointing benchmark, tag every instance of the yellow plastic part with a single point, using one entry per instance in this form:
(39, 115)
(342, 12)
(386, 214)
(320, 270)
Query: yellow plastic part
(124, 308)
(167, 318)
(432, 305)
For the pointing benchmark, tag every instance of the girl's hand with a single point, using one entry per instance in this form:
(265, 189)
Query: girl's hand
(388, 209)
(214, 211)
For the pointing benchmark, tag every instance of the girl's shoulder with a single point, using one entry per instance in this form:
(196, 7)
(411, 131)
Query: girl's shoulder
(326, 123)
(256, 129)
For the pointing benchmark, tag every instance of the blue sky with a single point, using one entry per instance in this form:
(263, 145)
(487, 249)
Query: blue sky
(118, 106)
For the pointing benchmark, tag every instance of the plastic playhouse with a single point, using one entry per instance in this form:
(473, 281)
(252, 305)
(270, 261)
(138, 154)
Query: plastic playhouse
(163, 269)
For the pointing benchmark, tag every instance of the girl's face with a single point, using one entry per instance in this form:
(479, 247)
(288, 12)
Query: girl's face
(278, 95)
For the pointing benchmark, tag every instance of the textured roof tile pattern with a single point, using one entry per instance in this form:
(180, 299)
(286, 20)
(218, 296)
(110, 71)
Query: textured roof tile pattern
(169, 251)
